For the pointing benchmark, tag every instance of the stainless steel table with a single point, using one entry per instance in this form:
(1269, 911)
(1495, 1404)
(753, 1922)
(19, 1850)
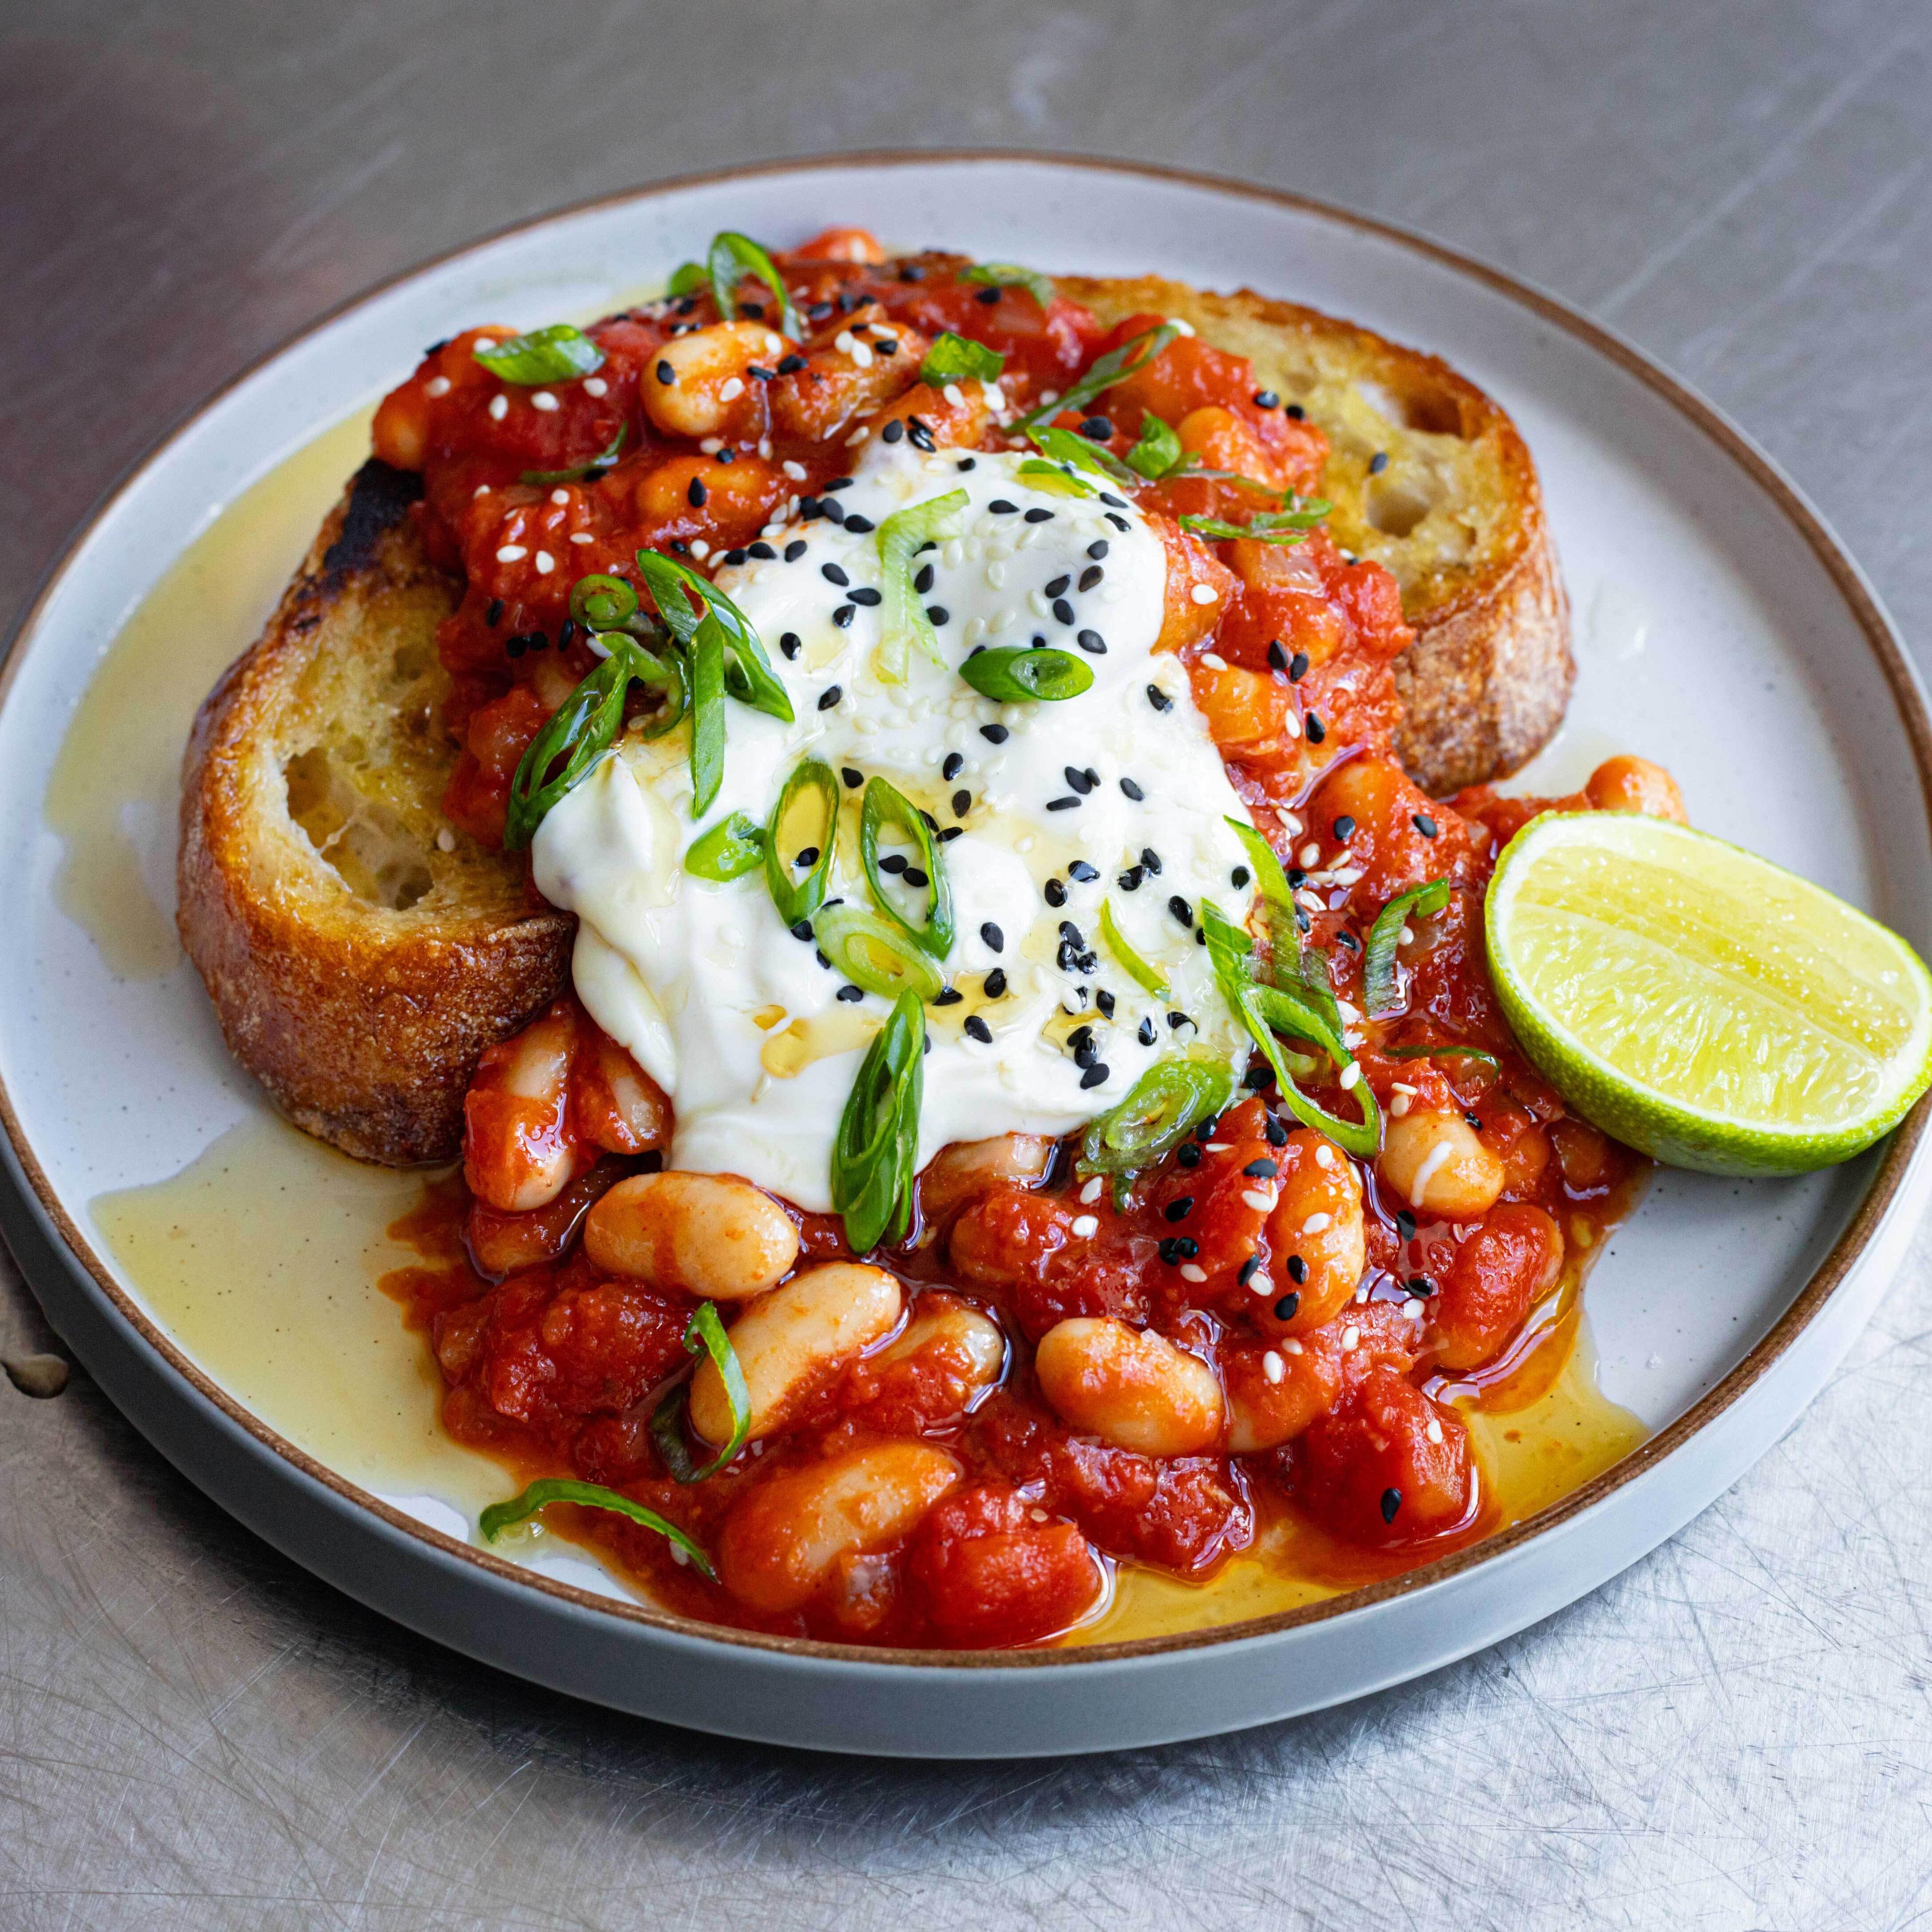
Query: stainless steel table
(1736, 1734)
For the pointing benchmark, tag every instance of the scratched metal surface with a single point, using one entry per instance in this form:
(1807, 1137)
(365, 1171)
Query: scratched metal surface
(1735, 1734)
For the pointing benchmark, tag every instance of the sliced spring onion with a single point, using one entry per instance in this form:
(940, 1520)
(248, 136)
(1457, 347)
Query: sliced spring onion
(1116, 366)
(706, 1334)
(1259, 1008)
(749, 675)
(1054, 478)
(498, 1516)
(1378, 989)
(1009, 275)
(885, 806)
(1064, 446)
(874, 955)
(732, 848)
(1137, 969)
(795, 898)
(1162, 1109)
(952, 356)
(583, 728)
(1318, 991)
(1157, 451)
(600, 602)
(733, 257)
(901, 536)
(1443, 1050)
(1277, 897)
(557, 354)
(687, 278)
(602, 460)
(874, 1152)
(1017, 673)
(1277, 526)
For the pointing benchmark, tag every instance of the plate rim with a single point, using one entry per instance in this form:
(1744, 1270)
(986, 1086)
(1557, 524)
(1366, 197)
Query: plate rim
(1874, 624)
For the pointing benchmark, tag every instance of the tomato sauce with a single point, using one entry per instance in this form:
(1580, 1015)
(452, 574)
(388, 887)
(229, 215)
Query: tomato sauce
(1345, 1419)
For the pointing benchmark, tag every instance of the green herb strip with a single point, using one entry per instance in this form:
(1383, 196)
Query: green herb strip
(797, 898)
(1116, 366)
(1054, 478)
(874, 955)
(732, 848)
(601, 602)
(1137, 969)
(1260, 1009)
(1277, 896)
(732, 257)
(582, 729)
(598, 463)
(904, 622)
(1277, 527)
(1020, 673)
(1443, 1051)
(952, 357)
(886, 806)
(1064, 446)
(1158, 450)
(1162, 1107)
(875, 1152)
(1009, 275)
(1379, 987)
(557, 354)
(498, 1516)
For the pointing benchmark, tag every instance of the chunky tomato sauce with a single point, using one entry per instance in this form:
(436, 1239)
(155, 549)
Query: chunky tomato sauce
(1334, 1385)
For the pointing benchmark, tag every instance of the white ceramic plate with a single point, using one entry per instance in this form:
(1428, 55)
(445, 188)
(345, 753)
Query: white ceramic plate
(1720, 630)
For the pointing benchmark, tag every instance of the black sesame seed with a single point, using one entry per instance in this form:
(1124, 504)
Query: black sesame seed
(1096, 1075)
(809, 507)
(1104, 1001)
(1177, 1020)
(1256, 1078)
(1057, 588)
(1062, 610)
(1090, 576)
(893, 861)
(1037, 515)
(854, 780)
(794, 550)
(1391, 1499)
(844, 615)
(758, 375)
(979, 1030)
(1188, 1154)
(1086, 1053)
(937, 613)
(830, 696)
(1151, 859)
(1063, 804)
(1081, 782)
(1404, 1224)
(1344, 828)
(867, 597)
(697, 494)
(1128, 789)
(1118, 502)
(791, 643)
(914, 877)
(1054, 892)
(1297, 668)
(1071, 933)
(1261, 1170)
(1297, 411)
(996, 983)
(919, 437)
(850, 993)
(1277, 658)
(1267, 399)
(1146, 1035)
(966, 463)
(993, 734)
(1424, 824)
(1239, 877)
(912, 272)
(1000, 507)
(989, 296)
(1180, 1209)
(948, 996)
(1129, 881)
(1100, 429)
(1348, 940)
(853, 521)
(956, 762)
(1421, 1286)
(514, 647)
(666, 375)
(494, 615)
(922, 583)
(1289, 1306)
(1159, 699)
(1097, 549)
(832, 574)
(1378, 463)
(893, 432)
(1170, 1251)
(1181, 910)
(762, 551)
(1315, 729)
(951, 833)
(806, 858)
(1187, 1247)
(803, 930)
(1089, 641)
(791, 365)
(831, 508)
(995, 939)
(1277, 1134)
(962, 803)
(1475, 1124)
(1119, 523)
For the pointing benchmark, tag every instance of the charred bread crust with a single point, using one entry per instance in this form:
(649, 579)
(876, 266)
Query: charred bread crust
(1452, 508)
(360, 954)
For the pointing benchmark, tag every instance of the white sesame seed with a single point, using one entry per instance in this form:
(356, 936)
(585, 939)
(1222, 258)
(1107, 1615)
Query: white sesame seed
(546, 563)
(1261, 1282)
(1038, 1515)
(1309, 854)
(1095, 1188)
(699, 548)
(511, 554)
(482, 490)
(733, 389)
(1260, 1201)
(1203, 593)
(678, 1557)
(712, 445)
(1400, 1105)
(796, 471)
(1193, 1271)
(436, 385)
(1085, 1227)
(1412, 1309)
(581, 537)
(559, 496)
(1351, 1074)
(844, 342)
(446, 839)
(1351, 1339)
(542, 399)
(1291, 725)
(1180, 327)
(1407, 934)
(1291, 825)
(1290, 1347)
(1213, 660)
(1272, 1366)
(857, 437)
(499, 406)
(595, 385)
(862, 356)
(1434, 1431)
(1219, 1147)
(955, 395)
(774, 344)
(1317, 1224)
(1324, 1155)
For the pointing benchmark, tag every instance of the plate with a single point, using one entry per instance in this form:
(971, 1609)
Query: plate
(1721, 629)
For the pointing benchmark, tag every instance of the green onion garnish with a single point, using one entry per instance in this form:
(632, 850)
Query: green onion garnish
(1260, 1009)
(1161, 1108)
(1158, 450)
(875, 1152)
(798, 899)
(886, 806)
(1442, 1051)
(732, 848)
(1054, 478)
(1008, 275)
(498, 1516)
(1017, 673)
(874, 955)
(704, 1335)
(1378, 992)
(599, 602)
(582, 729)
(687, 278)
(1278, 526)
(1063, 446)
(901, 536)
(733, 257)
(557, 354)
(952, 356)
(604, 458)
(1137, 969)
(1132, 356)
(1278, 899)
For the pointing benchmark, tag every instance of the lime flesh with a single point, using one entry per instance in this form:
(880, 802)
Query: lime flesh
(1701, 1003)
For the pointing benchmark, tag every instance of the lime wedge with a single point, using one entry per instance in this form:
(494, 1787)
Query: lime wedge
(1700, 1002)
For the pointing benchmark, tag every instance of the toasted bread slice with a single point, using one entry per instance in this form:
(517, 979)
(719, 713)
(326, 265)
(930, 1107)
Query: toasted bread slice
(360, 952)
(1456, 513)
